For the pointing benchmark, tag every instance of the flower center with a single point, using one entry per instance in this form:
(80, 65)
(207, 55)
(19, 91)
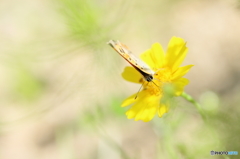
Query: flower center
(161, 76)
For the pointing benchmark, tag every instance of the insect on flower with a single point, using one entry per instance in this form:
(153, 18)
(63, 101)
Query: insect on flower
(162, 69)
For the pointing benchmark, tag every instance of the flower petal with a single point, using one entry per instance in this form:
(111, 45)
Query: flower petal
(133, 111)
(132, 98)
(163, 108)
(181, 71)
(154, 57)
(146, 57)
(157, 55)
(176, 53)
(179, 85)
(131, 74)
(145, 109)
(147, 113)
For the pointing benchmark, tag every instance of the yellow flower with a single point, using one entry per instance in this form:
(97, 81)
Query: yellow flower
(167, 72)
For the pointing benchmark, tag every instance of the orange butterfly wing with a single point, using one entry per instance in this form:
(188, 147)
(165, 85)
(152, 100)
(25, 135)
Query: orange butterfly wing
(139, 65)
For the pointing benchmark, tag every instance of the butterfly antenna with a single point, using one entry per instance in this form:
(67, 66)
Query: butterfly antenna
(138, 91)
(155, 84)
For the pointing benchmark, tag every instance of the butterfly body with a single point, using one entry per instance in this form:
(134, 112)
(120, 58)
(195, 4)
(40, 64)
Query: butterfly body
(139, 65)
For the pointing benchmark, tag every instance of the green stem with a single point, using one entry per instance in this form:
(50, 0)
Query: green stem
(195, 103)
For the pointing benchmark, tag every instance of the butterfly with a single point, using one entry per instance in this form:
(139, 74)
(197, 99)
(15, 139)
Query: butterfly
(139, 65)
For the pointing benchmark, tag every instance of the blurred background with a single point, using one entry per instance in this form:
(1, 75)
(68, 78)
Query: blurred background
(61, 88)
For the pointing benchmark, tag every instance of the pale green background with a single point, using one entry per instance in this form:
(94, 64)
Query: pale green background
(61, 89)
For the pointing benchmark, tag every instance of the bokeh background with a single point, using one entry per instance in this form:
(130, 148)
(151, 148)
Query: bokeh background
(61, 88)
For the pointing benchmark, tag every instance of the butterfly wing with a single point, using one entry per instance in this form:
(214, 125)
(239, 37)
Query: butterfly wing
(139, 65)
